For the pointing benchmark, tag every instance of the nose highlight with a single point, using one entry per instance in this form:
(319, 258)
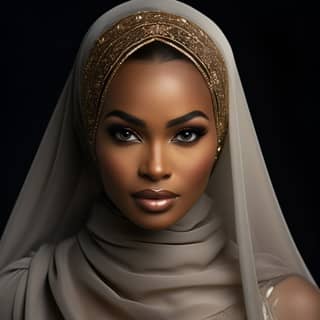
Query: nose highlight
(153, 165)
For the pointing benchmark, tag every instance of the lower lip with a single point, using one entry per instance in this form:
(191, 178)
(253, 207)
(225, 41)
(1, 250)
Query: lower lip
(155, 205)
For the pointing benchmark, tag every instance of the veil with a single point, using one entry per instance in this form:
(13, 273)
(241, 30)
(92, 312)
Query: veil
(58, 191)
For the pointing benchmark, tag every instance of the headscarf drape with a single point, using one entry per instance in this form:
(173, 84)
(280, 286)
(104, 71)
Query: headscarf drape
(58, 192)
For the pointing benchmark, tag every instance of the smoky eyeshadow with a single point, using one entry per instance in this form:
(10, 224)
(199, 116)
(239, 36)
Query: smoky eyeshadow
(114, 128)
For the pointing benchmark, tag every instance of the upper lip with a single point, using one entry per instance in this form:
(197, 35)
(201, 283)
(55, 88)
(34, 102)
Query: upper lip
(152, 194)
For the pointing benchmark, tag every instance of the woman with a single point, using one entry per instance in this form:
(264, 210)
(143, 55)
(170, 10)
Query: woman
(141, 202)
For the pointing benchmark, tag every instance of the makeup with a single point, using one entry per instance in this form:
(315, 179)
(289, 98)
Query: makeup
(155, 205)
(155, 201)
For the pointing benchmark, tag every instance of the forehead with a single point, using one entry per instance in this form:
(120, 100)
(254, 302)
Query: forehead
(171, 87)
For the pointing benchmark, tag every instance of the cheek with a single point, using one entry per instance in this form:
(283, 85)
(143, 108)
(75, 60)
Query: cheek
(112, 166)
(200, 170)
(198, 167)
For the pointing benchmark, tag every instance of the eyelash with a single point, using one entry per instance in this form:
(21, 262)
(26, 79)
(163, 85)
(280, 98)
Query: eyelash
(114, 130)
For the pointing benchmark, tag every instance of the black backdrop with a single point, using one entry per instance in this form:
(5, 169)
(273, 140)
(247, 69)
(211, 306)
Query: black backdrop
(275, 48)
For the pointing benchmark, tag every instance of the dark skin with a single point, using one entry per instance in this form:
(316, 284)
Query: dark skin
(177, 158)
(158, 156)
(295, 299)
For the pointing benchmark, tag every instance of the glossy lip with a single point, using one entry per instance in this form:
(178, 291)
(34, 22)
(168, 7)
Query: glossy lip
(155, 201)
(154, 194)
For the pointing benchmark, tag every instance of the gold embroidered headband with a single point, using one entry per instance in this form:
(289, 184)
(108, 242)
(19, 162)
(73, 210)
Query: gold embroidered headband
(117, 43)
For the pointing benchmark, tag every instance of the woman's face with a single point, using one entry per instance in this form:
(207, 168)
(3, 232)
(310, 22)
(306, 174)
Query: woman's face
(157, 132)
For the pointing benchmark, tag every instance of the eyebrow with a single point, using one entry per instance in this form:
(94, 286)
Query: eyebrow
(141, 123)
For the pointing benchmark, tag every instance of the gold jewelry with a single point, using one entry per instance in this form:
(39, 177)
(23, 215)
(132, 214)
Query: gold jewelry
(117, 43)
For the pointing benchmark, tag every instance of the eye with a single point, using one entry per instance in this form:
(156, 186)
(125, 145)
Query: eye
(122, 134)
(189, 135)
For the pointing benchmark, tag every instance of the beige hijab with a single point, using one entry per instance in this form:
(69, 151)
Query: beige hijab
(108, 268)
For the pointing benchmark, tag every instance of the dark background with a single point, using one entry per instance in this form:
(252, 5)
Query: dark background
(275, 47)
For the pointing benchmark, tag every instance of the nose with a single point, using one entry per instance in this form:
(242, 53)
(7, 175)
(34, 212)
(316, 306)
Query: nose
(153, 165)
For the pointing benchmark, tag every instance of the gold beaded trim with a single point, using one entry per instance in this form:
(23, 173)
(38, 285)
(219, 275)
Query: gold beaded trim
(116, 44)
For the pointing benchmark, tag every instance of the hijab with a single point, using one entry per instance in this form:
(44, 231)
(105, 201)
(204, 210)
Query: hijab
(76, 269)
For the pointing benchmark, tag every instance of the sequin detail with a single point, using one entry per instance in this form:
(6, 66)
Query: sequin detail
(117, 43)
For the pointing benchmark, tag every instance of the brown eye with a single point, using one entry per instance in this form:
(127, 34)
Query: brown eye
(190, 135)
(125, 135)
(187, 136)
(122, 134)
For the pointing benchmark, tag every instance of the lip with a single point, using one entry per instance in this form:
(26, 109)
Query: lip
(155, 201)
(153, 194)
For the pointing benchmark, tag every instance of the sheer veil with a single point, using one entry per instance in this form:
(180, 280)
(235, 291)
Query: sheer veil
(57, 192)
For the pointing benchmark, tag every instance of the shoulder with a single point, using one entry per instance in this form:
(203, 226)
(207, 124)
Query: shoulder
(13, 280)
(14, 271)
(295, 298)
